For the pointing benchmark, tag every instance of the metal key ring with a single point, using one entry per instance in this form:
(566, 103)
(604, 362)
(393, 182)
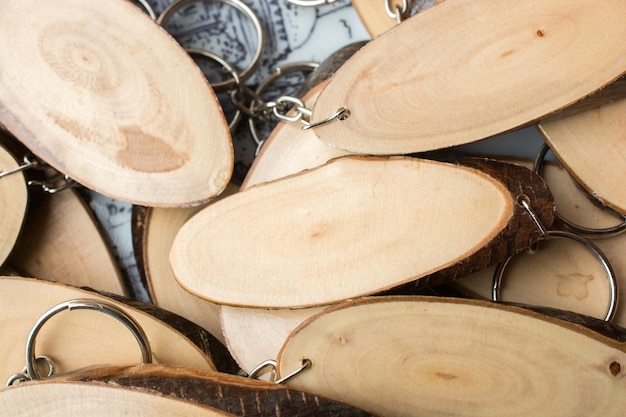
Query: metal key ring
(147, 8)
(568, 224)
(85, 304)
(244, 75)
(595, 251)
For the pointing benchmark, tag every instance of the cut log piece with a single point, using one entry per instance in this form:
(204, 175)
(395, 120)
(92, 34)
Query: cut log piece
(153, 242)
(561, 274)
(356, 226)
(376, 20)
(13, 201)
(105, 96)
(412, 356)
(81, 338)
(474, 69)
(62, 242)
(592, 145)
(231, 394)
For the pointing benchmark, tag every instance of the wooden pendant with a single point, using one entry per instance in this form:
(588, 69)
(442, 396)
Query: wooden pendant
(62, 242)
(104, 95)
(153, 241)
(13, 202)
(356, 226)
(376, 20)
(434, 356)
(184, 388)
(592, 145)
(473, 69)
(81, 338)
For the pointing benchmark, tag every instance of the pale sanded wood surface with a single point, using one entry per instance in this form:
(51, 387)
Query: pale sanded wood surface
(475, 68)
(13, 201)
(454, 357)
(355, 226)
(375, 19)
(106, 96)
(289, 150)
(160, 228)
(592, 145)
(74, 339)
(61, 241)
(562, 274)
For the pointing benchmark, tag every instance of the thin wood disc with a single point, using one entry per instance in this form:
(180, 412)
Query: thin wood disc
(441, 357)
(355, 226)
(106, 96)
(62, 242)
(592, 145)
(472, 69)
(81, 338)
(13, 201)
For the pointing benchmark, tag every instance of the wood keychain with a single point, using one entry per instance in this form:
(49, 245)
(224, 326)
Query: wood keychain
(382, 222)
(476, 68)
(401, 356)
(107, 97)
(76, 339)
(13, 200)
(166, 390)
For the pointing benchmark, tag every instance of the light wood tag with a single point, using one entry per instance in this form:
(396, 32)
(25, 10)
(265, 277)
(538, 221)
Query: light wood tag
(355, 226)
(106, 96)
(81, 338)
(13, 202)
(472, 69)
(409, 356)
(233, 395)
(592, 145)
(376, 20)
(153, 244)
(62, 242)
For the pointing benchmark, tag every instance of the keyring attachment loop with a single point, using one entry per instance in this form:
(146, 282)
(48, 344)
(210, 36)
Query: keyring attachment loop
(247, 72)
(399, 12)
(551, 234)
(84, 304)
(271, 363)
(568, 224)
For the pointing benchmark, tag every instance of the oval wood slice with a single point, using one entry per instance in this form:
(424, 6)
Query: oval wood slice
(232, 394)
(62, 242)
(106, 96)
(160, 226)
(474, 68)
(561, 274)
(13, 203)
(75, 339)
(433, 356)
(382, 222)
(592, 145)
(375, 19)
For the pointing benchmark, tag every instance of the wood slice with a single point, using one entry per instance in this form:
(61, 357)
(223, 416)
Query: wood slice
(561, 274)
(14, 203)
(474, 69)
(592, 145)
(107, 97)
(62, 242)
(160, 227)
(77, 339)
(374, 17)
(382, 222)
(237, 395)
(409, 356)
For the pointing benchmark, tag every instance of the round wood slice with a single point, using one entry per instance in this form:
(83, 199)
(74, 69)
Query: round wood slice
(562, 274)
(14, 203)
(355, 226)
(160, 228)
(472, 69)
(442, 357)
(374, 17)
(62, 242)
(48, 398)
(106, 96)
(255, 335)
(75, 339)
(592, 145)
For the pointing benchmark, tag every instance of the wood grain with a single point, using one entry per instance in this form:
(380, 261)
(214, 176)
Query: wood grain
(107, 97)
(476, 68)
